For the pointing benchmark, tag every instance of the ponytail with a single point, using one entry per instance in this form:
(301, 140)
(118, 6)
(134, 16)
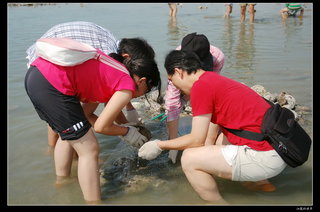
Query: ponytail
(145, 68)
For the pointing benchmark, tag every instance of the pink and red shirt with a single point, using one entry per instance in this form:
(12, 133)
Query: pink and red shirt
(91, 81)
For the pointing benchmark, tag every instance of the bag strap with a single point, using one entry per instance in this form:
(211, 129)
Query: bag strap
(247, 134)
(111, 62)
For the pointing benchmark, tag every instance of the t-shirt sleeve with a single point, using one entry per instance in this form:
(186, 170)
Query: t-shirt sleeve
(218, 60)
(201, 99)
(125, 83)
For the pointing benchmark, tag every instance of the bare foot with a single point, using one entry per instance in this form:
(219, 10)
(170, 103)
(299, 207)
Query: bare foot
(95, 202)
(62, 181)
(218, 202)
(263, 185)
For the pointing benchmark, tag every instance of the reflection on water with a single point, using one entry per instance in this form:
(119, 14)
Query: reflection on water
(245, 51)
(270, 52)
(228, 41)
(175, 31)
(291, 26)
(239, 49)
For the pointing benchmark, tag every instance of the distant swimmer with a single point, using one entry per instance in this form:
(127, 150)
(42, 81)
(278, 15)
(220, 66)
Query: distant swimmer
(291, 9)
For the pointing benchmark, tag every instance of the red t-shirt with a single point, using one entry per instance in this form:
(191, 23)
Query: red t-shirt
(91, 81)
(232, 105)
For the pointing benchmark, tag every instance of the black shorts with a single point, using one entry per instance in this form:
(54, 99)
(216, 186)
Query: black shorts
(63, 113)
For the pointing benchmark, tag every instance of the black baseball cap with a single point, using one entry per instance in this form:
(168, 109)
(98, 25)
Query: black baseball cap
(199, 44)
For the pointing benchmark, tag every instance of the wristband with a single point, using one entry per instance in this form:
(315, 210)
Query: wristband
(127, 131)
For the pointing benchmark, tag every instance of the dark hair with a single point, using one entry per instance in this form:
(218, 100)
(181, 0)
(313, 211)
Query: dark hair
(146, 68)
(136, 48)
(186, 60)
(117, 57)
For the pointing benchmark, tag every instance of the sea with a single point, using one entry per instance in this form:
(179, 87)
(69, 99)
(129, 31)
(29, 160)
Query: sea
(274, 53)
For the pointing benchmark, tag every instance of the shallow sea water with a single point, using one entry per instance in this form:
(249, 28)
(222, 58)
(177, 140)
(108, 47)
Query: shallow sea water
(274, 53)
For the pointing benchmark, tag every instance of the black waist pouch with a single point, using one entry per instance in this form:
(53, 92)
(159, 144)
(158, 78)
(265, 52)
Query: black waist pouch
(284, 133)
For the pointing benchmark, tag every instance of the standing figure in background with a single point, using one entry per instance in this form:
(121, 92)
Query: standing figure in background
(173, 9)
(228, 10)
(291, 9)
(243, 9)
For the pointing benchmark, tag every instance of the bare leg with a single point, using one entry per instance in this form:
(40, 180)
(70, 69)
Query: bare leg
(52, 140)
(63, 155)
(87, 148)
(301, 13)
(228, 11)
(252, 12)
(199, 164)
(243, 10)
(284, 13)
(173, 9)
(52, 137)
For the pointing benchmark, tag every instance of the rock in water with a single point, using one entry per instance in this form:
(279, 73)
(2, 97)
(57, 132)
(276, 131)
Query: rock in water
(120, 170)
(259, 89)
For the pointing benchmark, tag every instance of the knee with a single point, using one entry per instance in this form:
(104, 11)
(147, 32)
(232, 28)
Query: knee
(95, 150)
(91, 151)
(187, 159)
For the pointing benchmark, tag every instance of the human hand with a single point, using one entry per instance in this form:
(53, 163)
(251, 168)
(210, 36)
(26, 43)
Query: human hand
(149, 150)
(133, 137)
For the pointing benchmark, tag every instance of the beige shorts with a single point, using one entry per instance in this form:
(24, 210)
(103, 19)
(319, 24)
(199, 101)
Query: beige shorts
(252, 165)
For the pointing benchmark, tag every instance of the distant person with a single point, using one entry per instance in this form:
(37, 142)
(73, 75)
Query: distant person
(101, 38)
(212, 59)
(173, 9)
(229, 104)
(291, 9)
(243, 9)
(228, 10)
(202, 7)
(66, 97)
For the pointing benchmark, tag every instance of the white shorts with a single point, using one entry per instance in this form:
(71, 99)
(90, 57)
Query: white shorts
(252, 165)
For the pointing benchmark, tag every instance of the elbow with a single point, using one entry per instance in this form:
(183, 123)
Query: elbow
(198, 142)
(99, 128)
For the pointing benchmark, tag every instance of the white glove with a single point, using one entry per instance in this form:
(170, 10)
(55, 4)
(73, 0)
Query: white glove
(173, 155)
(133, 116)
(150, 150)
(134, 138)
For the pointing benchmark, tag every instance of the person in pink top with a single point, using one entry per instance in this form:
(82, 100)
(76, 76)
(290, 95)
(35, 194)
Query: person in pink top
(212, 59)
(229, 104)
(101, 38)
(57, 93)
